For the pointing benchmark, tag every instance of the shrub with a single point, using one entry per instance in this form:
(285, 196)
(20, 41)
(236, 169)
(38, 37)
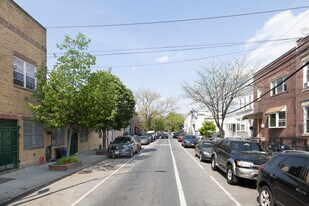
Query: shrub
(66, 160)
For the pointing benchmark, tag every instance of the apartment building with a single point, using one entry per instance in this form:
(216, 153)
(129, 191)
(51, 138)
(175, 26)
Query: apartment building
(281, 112)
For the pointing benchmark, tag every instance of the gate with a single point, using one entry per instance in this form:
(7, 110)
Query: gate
(74, 144)
(8, 148)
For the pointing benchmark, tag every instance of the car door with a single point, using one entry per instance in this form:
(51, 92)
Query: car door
(302, 190)
(220, 153)
(286, 181)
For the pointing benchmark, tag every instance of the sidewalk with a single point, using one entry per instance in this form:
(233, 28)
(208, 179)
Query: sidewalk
(22, 182)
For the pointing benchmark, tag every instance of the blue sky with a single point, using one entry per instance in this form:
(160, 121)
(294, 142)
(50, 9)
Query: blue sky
(165, 78)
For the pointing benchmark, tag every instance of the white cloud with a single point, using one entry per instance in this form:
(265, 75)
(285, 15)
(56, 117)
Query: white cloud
(282, 25)
(162, 59)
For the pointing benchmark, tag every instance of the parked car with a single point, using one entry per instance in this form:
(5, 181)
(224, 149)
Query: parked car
(149, 137)
(284, 180)
(164, 135)
(203, 150)
(175, 135)
(123, 146)
(238, 158)
(144, 139)
(180, 137)
(189, 141)
(138, 141)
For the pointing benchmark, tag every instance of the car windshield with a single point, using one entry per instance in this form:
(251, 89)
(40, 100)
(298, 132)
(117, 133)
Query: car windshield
(207, 144)
(142, 137)
(122, 140)
(190, 137)
(247, 147)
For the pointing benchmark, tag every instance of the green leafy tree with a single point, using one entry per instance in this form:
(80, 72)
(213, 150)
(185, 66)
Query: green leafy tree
(158, 124)
(60, 102)
(207, 129)
(174, 122)
(108, 103)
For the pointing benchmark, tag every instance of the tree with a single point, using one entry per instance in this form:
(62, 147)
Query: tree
(207, 129)
(217, 85)
(157, 124)
(108, 103)
(174, 122)
(150, 105)
(59, 97)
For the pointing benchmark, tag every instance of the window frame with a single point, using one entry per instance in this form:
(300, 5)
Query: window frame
(58, 136)
(83, 136)
(306, 119)
(306, 77)
(26, 68)
(258, 94)
(277, 119)
(240, 125)
(275, 83)
(36, 134)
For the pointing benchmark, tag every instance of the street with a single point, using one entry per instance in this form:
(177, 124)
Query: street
(163, 173)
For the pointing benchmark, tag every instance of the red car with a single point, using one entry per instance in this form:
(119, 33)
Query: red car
(180, 137)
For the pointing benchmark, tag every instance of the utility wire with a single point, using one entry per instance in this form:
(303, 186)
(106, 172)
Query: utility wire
(271, 88)
(181, 48)
(176, 20)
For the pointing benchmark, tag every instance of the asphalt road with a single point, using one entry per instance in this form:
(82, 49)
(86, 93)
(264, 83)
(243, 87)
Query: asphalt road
(162, 174)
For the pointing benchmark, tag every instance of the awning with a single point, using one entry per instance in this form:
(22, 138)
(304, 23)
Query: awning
(257, 115)
(276, 109)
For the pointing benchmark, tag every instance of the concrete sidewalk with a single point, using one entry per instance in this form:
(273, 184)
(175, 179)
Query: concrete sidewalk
(22, 182)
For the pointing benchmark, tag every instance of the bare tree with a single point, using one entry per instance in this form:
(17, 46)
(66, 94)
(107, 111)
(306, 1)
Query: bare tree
(150, 105)
(217, 85)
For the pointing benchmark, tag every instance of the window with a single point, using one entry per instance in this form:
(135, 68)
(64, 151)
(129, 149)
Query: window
(306, 77)
(33, 134)
(281, 88)
(24, 74)
(277, 120)
(258, 94)
(241, 126)
(83, 134)
(58, 135)
(294, 165)
(306, 119)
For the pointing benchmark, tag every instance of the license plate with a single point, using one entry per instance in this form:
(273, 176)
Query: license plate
(116, 151)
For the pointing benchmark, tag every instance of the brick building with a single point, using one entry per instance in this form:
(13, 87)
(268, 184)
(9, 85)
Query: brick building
(281, 111)
(24, 142)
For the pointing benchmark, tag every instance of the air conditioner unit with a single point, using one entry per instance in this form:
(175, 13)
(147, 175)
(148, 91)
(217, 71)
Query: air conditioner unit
(306, 84)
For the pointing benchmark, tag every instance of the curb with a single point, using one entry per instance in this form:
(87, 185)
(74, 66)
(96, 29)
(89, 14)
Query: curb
(40, 186)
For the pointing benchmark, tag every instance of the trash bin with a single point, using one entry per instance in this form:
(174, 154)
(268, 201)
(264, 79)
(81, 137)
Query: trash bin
(60, 152)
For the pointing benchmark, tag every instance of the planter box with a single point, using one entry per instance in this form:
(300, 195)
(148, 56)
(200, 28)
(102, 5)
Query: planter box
(66, 167)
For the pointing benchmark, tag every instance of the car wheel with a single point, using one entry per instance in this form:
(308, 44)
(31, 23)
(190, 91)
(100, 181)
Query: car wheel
(266, 197)
(231, 178)
(213, 163)
(196, 154)
(201, 157)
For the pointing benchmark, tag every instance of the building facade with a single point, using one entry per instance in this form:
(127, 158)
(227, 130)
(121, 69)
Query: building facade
(24, 142)
(281, 91)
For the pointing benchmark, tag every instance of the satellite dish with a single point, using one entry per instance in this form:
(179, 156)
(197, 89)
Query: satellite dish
(305, 31)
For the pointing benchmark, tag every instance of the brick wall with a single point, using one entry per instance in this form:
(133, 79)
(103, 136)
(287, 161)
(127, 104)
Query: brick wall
(24, 37)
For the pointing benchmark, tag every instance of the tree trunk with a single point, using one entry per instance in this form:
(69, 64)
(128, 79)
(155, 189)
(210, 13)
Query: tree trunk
(104, 139)
(69, 142)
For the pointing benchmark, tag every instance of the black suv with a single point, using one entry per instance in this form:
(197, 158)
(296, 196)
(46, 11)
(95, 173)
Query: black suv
(123, 146)
(284, 180)
(238, 158)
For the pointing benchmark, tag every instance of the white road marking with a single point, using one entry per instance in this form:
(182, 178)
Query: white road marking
(109, 176)
(193, 159)
(181, 195)
(226, 192)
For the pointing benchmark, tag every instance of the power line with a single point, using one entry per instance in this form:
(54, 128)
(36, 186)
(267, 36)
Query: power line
(181, 61)
(176, 20)
(271, 88)
(180, 48)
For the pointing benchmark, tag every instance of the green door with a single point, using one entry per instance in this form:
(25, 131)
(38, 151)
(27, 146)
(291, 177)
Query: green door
(8, 148)
(74, 144)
